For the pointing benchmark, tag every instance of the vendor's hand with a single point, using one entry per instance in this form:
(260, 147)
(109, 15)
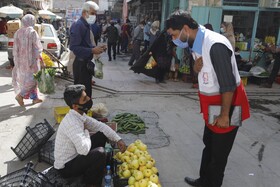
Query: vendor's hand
(198, 64)
(222, 121)
(97, 50)
(121, 145)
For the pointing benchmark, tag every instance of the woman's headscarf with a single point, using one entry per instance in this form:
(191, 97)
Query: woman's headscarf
(154, 27)
(28, 20)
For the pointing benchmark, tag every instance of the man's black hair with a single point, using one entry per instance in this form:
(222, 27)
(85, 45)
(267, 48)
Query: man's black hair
(180, 18)
(73, 93)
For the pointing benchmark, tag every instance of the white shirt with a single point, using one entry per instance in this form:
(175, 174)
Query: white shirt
(72, 139)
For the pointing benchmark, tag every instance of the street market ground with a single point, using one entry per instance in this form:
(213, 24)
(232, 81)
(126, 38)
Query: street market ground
(253, 162)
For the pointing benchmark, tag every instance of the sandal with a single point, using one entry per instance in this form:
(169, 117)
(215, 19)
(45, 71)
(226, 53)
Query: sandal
(19, 100)
(35, 101)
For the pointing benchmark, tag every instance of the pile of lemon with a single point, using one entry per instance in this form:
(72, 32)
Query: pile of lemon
(138, 166)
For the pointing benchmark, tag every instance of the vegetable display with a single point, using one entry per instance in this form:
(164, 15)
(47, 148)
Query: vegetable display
(129, 123)
(184, 69)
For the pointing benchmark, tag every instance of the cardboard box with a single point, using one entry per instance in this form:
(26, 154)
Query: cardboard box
(38, 29)
(14, 25)
(10, 34)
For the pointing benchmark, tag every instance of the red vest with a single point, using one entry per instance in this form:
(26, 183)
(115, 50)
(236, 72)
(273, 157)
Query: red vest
(239, 99)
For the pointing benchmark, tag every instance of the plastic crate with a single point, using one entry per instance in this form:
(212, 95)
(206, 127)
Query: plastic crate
(25, 177)
(61, 111)
(118, 182)
(58, 181)
(33, 140)
(46, 153)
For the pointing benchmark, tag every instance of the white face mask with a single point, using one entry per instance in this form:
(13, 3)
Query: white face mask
(222, 30)
(91, 19)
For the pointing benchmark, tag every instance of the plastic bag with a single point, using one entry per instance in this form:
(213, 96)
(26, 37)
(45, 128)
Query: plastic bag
(98, 72)
(257, 70)
(99, 110)
(172, 66)
(46, 82)
(151, 63)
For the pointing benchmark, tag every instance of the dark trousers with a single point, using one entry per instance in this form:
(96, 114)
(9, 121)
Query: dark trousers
(92, 165)
(275, 69)
(124, 44)
(135, 51)
(146, 45)
(119, 43)
(82, 75)
(214, 156)
(110, 47)
(160, 73)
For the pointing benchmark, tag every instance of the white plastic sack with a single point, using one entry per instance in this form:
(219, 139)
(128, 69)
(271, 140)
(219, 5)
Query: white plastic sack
(256, 70)
(99, 110)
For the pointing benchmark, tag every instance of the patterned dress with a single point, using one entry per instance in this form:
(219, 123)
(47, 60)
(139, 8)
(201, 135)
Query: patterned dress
(26, 51)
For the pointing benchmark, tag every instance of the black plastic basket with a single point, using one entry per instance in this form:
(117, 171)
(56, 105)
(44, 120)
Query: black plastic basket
(118, 182)
(58, 181)
(46, 153)
(26, 177)
(33, 140)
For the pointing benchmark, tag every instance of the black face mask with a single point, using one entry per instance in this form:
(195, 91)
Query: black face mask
(86, 106)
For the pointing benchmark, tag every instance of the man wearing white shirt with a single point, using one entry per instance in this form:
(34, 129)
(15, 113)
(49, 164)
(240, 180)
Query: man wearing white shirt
(80, 140)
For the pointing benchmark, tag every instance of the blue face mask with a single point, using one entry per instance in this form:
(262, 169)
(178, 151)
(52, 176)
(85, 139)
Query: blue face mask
(180, 43)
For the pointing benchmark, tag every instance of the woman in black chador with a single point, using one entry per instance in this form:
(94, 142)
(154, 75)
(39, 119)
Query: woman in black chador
(161, 50)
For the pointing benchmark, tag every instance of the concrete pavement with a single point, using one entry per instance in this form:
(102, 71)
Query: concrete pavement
(253, 162)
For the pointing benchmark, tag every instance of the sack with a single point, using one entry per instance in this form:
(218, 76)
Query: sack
(235, 114)
(91, 67)
(46, 82)
(151, 63)
(99, 111)
(98, 69)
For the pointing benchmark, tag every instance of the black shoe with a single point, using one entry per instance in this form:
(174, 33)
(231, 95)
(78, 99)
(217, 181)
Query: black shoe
(110, 59)
(130, 64)
(114, 58)
(193, 182)
(162, 81)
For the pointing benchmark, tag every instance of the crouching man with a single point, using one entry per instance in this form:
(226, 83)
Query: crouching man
(80, 140)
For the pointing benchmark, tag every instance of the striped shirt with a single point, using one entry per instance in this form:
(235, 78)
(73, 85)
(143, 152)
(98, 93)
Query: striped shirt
(73, 137)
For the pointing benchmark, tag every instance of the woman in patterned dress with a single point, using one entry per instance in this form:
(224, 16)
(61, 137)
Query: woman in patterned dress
(27, 49)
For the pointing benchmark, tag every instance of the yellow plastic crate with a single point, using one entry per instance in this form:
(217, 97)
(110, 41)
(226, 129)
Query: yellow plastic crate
(61, 111)
(244, 80)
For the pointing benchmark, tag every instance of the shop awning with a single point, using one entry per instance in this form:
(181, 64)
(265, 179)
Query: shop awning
(11, 11)
(47, 14)
(39, 4)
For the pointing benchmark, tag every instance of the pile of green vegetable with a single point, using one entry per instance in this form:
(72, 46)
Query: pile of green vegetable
(184, 69)
(130, 123)
(50, 71)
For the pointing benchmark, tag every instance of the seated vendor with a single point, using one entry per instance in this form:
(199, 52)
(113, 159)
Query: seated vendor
(80, 140)
(242, 64)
